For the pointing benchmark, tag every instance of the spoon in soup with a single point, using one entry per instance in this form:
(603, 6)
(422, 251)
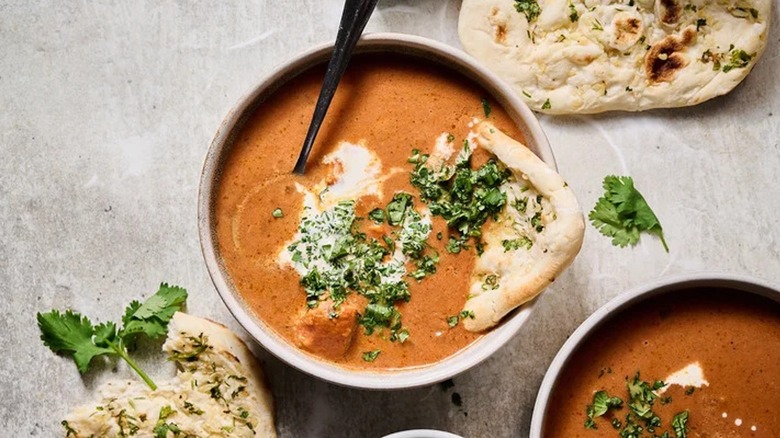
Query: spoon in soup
(353, 20)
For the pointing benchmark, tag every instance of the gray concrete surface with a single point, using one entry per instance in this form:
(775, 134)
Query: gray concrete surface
(107, 111)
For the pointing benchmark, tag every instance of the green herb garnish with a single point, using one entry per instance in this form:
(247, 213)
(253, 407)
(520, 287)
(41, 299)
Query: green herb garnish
(530, 8)
(337, 259)
(396, 209)
(277, 213)
(377, 215)
(463, 197)
(162, 427)
(641, 417)
(486, 107)
(680, 424)
(73, 334)
(546, 105)
(490, 282)
(515, 244)
(622, 213)
(739, 59)
(370, 356)
(573, 15)
(602, 403)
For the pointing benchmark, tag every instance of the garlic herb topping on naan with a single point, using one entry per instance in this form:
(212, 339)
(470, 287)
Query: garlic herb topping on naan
(590, 56)
(535, 237)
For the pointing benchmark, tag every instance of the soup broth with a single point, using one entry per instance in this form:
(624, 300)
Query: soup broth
(387, 105)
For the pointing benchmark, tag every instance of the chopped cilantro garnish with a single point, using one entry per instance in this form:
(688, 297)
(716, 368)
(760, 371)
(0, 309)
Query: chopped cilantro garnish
(377, 215)
(370, 356)
(396, 209)
(520, 204)
(679, 424)
(546, 105)
(602, 403)
(467, 314)
(452, 321)
(336, 260)
(486, 107)
(640, 417)
(530, 8)
(490, 283)
(515, 244)
(573, 15)
(622, 213)
(464, 197)
(739, 59)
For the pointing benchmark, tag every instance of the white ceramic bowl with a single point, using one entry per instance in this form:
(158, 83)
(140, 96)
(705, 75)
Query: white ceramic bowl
(220, 147)
(624, 301)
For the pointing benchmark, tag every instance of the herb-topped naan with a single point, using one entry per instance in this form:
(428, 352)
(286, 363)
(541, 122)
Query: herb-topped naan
(533, 239)
(588, 56)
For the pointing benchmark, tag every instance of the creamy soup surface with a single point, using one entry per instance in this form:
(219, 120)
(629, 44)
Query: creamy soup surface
(717, 350)
(385, 106)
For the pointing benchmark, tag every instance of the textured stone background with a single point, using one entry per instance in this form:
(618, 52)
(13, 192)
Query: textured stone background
(108, 108)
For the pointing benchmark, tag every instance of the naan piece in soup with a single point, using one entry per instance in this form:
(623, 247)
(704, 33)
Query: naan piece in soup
(586, 56)
(535, 237)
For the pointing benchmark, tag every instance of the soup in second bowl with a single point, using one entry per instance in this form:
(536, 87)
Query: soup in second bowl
(693, 363)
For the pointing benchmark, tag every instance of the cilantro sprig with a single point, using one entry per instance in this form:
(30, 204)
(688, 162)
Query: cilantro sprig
(622, 213)
(72, 333)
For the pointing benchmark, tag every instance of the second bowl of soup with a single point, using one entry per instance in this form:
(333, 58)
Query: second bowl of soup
(697, 356)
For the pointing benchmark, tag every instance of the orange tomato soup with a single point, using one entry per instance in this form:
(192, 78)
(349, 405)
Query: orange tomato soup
(392, 104)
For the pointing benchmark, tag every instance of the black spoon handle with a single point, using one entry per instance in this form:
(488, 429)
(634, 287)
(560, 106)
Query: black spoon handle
(353, 20)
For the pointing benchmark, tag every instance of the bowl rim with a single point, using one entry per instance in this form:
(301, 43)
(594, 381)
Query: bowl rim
(422, 433)
(406, 378)
(738, 282)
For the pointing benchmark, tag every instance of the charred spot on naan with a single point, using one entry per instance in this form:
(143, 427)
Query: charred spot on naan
(669, 11)
(665, 58)
(499, 24)
(629, 29)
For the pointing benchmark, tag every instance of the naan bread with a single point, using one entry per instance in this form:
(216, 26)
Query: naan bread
(590, 56)
(534, 239)
(219, 391)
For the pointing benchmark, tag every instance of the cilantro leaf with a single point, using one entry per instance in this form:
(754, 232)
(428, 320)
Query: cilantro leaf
(679, 424)
(73, 334)
(602, 403)
(622, 213)
(151, 317)
(370, 356)
(70, 332)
